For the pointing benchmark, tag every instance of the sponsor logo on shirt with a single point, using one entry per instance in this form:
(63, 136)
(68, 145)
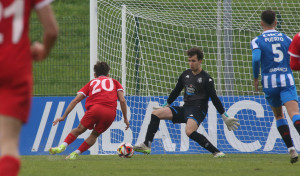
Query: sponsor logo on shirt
(272, 34)
(278, 69)
(190, 90)
(273, 37)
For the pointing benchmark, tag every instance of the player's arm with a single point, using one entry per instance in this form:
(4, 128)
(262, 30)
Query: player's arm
(231, 123)
(295, 63)
(294, 51)
(176, 91)
(256, 56)
(46, 16)
(123, 107)
(71, 106)
(174, 94)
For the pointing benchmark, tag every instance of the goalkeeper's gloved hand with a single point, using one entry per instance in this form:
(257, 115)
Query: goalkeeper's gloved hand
(163, 106)
(231, 122)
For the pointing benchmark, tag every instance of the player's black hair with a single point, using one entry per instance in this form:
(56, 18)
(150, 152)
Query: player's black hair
(101, 68)
(268, 16)
(195, 51)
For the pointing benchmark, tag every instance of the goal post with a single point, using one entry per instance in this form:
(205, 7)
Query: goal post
(123, 81)
(145, 44)
(93, 36)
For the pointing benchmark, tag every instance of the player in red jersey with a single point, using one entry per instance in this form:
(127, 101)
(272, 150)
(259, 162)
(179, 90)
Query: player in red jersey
(101, 105)
(16, 55)
(294, 51)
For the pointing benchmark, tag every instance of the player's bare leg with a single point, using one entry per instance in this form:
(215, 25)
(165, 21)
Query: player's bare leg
(79, 130)
(72, 136)
(9, 145)
(9, 135)
(90, 141)
(156, 116)
(292, 108)
(293, 111)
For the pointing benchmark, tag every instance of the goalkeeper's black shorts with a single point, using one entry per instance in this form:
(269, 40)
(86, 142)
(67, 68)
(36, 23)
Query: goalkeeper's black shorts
(182, 113)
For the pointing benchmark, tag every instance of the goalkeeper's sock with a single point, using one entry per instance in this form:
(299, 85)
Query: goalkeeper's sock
(70, 138)
(9, 165)
(84, 147)
(296, 121)
(284, 131)
(152, 129)
(203, 142)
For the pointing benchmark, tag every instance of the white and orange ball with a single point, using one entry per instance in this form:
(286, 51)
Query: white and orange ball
(125, 150)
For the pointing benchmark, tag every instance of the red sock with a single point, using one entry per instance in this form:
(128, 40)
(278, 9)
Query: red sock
(9, 166)
(84, 147)
(70, 138)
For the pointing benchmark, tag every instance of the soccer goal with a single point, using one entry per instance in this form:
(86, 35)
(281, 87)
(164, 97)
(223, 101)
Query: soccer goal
(145, 44)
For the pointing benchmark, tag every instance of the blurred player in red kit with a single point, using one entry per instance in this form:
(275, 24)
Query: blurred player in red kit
(294, 51)
(101, 105)
(16, 55)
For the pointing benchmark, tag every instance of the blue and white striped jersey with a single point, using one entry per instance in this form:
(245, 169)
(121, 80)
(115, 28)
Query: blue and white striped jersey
(274, 59)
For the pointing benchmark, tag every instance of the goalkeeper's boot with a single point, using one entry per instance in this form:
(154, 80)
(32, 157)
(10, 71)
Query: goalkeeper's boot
(72, 156)
(142, 148)
(294, 155)
(219, 155)
(55, 150)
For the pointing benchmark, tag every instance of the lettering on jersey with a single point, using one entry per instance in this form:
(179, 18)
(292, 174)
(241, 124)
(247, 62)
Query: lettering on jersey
(278, 69)
(273, 37)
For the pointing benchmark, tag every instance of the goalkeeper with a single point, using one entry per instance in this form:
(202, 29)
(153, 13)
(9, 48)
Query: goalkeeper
(198, 88)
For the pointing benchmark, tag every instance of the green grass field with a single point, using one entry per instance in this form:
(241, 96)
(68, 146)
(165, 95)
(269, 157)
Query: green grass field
(67, 70)
(161, 165)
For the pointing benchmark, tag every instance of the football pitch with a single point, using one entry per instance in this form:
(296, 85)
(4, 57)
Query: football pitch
(161, 165)
(67, 70)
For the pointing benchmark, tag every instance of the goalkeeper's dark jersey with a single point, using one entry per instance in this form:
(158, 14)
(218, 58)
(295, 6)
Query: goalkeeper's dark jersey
(198, 89)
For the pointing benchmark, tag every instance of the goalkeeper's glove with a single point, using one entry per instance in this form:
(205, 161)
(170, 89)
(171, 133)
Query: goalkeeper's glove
(163, 106)
(231, 122)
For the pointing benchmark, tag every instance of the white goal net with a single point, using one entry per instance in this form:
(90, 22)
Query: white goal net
(145, 44)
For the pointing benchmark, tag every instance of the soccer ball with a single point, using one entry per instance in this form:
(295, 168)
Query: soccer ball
(125, 150)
